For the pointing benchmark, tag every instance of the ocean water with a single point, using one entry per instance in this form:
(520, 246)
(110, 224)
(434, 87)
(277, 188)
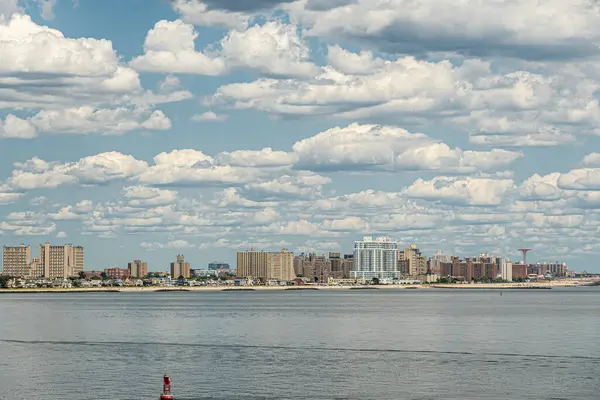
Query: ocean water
(354, 344)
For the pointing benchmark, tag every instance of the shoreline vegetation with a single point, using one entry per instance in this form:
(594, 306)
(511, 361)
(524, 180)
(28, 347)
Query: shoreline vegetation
(152, 289)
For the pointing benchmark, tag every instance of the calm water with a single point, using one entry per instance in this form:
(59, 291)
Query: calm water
(411, 344)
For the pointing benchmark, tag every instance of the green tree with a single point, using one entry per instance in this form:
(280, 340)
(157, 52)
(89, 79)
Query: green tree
(81, 275)
(375, 281)
(4, 280)
(104, 276)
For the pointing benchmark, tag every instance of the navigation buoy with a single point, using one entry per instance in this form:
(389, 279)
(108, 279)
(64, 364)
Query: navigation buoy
(166, 394)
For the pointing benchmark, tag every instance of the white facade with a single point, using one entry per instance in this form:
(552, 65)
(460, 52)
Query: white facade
(438, 258)
(375, 258)
(506, 270)
(204, 272)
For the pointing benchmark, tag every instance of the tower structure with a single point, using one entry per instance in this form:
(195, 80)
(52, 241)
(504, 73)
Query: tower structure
(60, 261)
(180, 268)
(266, 265)
(375, 258)
(524, 251)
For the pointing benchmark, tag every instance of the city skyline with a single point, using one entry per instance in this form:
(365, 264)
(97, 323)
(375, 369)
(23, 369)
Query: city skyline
(408, 253)
(171, 131)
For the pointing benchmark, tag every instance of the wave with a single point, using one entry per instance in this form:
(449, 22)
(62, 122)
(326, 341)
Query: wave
(294, 348)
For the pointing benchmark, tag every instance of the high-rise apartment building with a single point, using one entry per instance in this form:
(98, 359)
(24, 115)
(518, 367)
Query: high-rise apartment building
(180, 268)
(61, 261)
(16, 260)
(299, 264)
(506, 270)
(436, 260)
(138, 269)
(417, 263)
(335, 260)
(266, 265)
(347, 265)
(281, 266)
(403, 265)
(252, 264)
(555, 269)
(473, 269)
(322, 268)
(375, 258)
(519, 271)
(309, 269)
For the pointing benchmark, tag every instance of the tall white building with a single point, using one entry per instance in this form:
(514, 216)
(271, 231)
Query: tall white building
(438, 258)
(506, 269)
(375, 258)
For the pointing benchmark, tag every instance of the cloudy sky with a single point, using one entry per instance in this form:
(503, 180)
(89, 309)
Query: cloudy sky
(147, 128)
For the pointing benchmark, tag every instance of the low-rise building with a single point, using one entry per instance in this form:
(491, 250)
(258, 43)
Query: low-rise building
(346, 281)
(215, 265)
(117, 273)
(203, 272)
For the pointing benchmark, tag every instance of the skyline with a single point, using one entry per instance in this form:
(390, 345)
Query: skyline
(399, 246)
(207, 128)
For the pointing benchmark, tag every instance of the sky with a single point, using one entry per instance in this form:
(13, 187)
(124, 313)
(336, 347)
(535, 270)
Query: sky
(142, 129)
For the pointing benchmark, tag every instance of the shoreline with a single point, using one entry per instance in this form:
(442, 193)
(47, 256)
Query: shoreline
(165, 289)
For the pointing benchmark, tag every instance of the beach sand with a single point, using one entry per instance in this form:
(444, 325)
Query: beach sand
(145, 289)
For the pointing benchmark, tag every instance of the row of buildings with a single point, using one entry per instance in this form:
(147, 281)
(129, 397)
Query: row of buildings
(135, 269)
(266, 265)
(488, 267)
(139, 269)
(373, 258)
(178, 269)
(381, 258)
(66, 261)
(52, 261)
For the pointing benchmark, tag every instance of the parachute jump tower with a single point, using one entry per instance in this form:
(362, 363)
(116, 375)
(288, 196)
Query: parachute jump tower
(524, 251)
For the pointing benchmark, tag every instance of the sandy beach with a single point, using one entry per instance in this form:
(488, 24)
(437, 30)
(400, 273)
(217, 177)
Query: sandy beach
(157, 289)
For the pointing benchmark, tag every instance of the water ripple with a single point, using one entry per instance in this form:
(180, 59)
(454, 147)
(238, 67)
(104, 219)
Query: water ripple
(295, 348)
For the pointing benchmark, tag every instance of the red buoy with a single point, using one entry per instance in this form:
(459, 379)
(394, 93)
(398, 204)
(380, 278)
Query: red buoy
(166, 394)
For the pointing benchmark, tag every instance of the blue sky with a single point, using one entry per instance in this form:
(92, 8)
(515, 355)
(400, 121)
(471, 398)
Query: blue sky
(148, 128)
